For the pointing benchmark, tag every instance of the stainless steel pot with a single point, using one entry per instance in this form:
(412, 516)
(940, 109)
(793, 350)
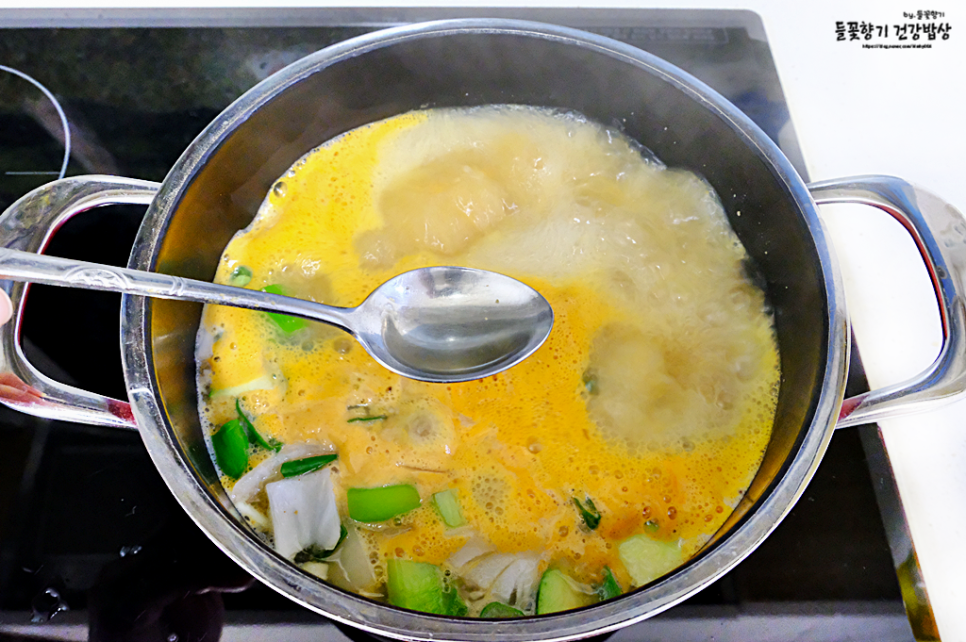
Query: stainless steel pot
(216, 187)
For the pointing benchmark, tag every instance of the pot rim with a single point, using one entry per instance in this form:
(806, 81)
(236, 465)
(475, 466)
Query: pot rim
(225, 529)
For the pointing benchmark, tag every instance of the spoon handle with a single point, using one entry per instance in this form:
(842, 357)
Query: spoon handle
(50, 270)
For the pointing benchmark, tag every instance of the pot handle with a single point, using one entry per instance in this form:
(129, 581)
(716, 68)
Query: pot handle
(28, 225)
(939, 232)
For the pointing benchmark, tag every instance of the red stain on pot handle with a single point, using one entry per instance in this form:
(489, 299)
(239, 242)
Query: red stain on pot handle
(849, 406)
(121, 410)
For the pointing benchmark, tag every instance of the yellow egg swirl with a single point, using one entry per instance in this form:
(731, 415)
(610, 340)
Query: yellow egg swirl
(654, 394)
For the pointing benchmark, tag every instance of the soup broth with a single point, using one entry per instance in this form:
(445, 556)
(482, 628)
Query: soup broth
(600, 463)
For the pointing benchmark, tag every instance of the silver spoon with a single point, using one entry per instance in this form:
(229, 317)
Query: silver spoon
(439, 324)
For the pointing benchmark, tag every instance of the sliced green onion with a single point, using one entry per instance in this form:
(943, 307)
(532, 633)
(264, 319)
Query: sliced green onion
(379, 504)
(240, 276)
(417, 586)
(652, 526)
(253, 436)
(589, 512)
(609, 588)
(316, 554)
(558, 592)
(647, 559)
(296, 467)
(453, 604)
(285, 322)
(231, 449)
(447, 502)
(499, 609)
(263, 382)
(374, 418)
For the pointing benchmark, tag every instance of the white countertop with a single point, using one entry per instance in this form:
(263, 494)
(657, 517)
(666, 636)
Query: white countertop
(857, 111)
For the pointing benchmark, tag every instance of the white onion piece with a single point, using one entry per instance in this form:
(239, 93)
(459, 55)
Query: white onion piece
(516, 584)
(304, 512)
(318, 569)
(459, 531)
(352, 558)
(253, 515)
(251, 482)
(485, 572)
(204, 345)
(475, 547)
(265, 382)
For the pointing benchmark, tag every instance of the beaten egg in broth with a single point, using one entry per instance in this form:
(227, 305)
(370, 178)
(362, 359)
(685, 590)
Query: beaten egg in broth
(653, 396)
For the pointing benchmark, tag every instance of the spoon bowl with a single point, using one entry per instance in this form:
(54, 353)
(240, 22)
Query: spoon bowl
(452, 323)
(437, 324)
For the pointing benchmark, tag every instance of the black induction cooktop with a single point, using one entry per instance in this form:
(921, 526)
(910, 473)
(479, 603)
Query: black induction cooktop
(91, 541)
